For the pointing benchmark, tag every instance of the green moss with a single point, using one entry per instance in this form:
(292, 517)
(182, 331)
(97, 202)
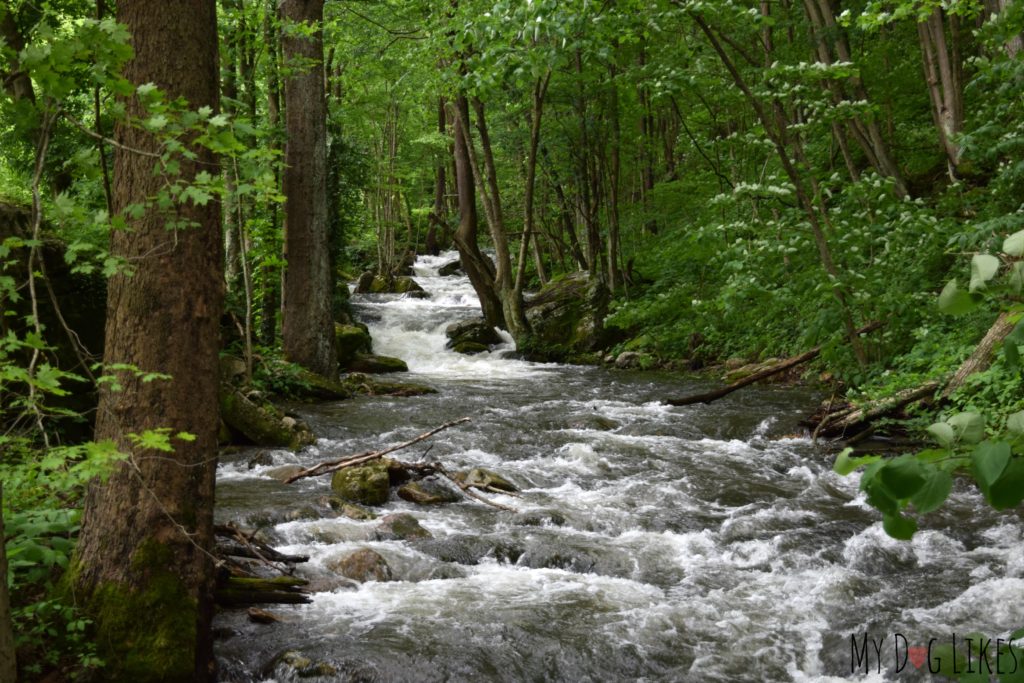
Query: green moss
(146, 632)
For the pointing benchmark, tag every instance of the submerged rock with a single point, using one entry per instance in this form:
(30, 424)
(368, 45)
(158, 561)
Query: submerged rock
(428, 491)
(362, 565)
(399, 527)
(539, 518)
(293, 664)
(469, 550)
(470, 348)
(284, 472)
(348, 508)
(366, 484)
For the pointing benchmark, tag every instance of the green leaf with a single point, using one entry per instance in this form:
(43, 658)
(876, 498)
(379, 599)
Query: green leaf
(942, 433)
(845, 464)
(1014, 244)
(970, 427)
(936, 489)
(983, 268)
(954, 301)
(900, 527)
(1008, 490)
(903, 477)
(989, 460)
(1015, 422)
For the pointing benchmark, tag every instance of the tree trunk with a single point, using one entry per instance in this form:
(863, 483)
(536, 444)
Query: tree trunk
(17, 83)
(438, 223)
(8, 662)
(308, 328)
(142, 567)
(540, 89)
(979, 360)
(477, 266)
(269, 277)
(943, 73)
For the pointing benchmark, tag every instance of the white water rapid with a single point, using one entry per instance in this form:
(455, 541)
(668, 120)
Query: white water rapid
(651, 543)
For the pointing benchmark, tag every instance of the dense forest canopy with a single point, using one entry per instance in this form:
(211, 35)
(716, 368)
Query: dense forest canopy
(747, 180)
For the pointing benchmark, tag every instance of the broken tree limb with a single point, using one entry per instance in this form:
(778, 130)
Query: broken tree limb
(367, 456)
(838, 424)
(791, 362)
(982, 355)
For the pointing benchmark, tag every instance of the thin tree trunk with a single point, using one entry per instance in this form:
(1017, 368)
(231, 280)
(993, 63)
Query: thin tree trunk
(539, 91)
(269, 277)
(438, 221)
(477, 266)
(614, 174)
(308, 329)
(17, 83)
(8, 660)
(944, 76)
(143, 567)
(776, 128)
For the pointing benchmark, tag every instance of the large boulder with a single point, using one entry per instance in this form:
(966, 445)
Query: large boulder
(428, 491)
(369, 283)
(567, 318)
(362, 566)
(377, 365)
(399, 527)
(366, 484)
(472, 331)
(350, 341)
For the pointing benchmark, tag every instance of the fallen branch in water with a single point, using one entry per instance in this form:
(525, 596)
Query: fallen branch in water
(367, 456)
(424, 469)
(782, 366)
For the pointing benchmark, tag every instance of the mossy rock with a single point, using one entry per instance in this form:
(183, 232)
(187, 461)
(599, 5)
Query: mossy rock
(313, 386)
(361, 384)
(261, 423)
(366, 485)
(567, 318)
(347, 508)
(400, 527)
(474, 330)
(450, 268)
(428, 492)
(406, 285)
(470, 348)
(350, 341)
(377, 365)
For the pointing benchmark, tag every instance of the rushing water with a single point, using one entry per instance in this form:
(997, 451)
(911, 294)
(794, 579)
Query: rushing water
(705, 543)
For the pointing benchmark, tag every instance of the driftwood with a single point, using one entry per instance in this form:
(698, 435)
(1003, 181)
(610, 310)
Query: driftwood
(331, 466)
(838, 424)
(782, 366)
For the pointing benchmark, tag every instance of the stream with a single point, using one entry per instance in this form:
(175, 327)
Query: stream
(704, 543)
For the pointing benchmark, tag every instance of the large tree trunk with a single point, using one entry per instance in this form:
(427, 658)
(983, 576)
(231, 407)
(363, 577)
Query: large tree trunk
(308, 327)
(270, 279)
(437, 232)
(8, 662)
(477, 266)
(142, 567)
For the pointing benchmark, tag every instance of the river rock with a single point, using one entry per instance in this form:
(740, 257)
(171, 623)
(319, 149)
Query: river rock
(428, 491)
(293, 664)
(362, 565)
(399, 526)
(450, 268)
(470, 348)
(481, 478)
(627, 359)
(364, 283)
(350, 341)
(469, 550)
(539, 518)
(371, 364)
(261, 459)
(366, 484)
(475, 330)
(347, 508)
(594, 422)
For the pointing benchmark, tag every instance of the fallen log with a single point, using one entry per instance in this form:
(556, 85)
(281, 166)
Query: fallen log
(982, 355)
(791, 362)
(839, 423)
(241, 592)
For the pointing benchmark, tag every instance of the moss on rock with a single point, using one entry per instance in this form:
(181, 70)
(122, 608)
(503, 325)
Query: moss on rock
(366, 485)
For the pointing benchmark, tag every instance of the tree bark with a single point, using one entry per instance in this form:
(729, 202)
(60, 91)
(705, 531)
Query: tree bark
(8, 661)
(982, 355)
(142, 566)
(943, 72)
(270, 279)
(15, 81)
(477, 266)
(436, 233)
(308, 327)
